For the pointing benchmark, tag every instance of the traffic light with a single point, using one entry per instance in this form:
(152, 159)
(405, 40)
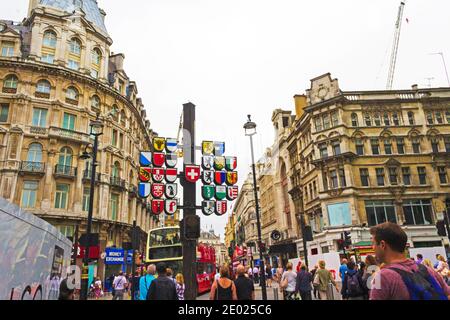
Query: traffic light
(440, 225)
(347, 239)
(308, 233)
(340, 244)
(191, 227)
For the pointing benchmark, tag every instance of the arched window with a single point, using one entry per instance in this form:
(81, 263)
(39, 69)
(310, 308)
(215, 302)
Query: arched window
(72, 94)
(367, 120)
(74, 54)
(115, 113)
(10, 82)
(386, 120)
(377, 119)
(116, 170)
(65, 160)
(49, 39)
(95, 103)
(123, 118)
(411, 118)
(96, 61)
(43, 86)
(48, 49)
(34, 153)
(395, 119)
(354, 120)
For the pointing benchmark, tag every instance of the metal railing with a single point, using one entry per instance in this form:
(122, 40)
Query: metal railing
(69, 134)
(87, 175)
(117, 182)
(32, 167)
(65, 170)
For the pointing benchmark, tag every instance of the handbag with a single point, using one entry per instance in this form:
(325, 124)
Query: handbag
(316, 281)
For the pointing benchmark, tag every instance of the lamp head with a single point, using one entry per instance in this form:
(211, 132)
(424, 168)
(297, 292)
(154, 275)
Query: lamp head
(85, 156)
(250, 127)
(96, 128)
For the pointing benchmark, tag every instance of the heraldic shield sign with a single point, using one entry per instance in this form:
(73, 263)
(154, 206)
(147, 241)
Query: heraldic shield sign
(207, 148)
(219, 163)
(232, 178)
(159, 144)
(144, 190)
(208, 192)
(145, 174)
(219, 149)
(232, 193)
(157, 206)
(230, 163)
(171, 160)
(221, 192)
(171, 175)
(221, 207)
(192, 173)
(171, 190)
(208, 207)
(171, 145)
(158, 174)
(171, 206)
(208, 176)
(157, 190)
(220, 177)
(158, 159)
(145, 159)
(207, 162)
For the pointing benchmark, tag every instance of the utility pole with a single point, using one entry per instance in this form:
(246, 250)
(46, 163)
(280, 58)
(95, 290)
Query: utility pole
(189, 203)
(134, 242)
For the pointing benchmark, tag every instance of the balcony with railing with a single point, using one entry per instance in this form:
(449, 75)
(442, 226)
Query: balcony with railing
(66, 134)
(87, 175)
(65, 171)
(32, 167)
(38, 130)
(117, 182)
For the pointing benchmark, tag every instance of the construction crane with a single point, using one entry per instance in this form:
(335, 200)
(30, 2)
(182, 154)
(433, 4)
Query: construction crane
(398, 28)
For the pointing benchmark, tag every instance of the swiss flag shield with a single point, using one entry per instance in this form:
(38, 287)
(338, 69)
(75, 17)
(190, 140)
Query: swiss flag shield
(192, 173)
(158, 190)
(158, 159)
(171, 175)
(157, 207)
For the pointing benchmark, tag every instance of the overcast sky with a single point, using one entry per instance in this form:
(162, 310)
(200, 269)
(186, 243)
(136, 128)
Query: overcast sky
(237, 57)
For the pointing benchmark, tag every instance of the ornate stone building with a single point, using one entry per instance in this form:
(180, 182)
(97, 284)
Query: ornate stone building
(364, 157)
(56, 75)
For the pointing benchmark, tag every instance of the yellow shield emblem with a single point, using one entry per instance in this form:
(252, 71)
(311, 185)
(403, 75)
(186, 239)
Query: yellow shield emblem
(232, 178)
(159, 144)
(207, 147)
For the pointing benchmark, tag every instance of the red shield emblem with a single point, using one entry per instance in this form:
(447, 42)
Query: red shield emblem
(157, 206)
(144, 174)
(221, 208)
(171, 175)
(159, 159)
(158, 174)
(158, 190)
(192, 173)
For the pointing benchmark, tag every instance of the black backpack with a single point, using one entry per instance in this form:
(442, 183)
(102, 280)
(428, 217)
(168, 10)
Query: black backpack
(354, 287)
(421, 285)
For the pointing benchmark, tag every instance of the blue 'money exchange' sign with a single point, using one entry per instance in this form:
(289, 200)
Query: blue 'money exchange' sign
(114, 256)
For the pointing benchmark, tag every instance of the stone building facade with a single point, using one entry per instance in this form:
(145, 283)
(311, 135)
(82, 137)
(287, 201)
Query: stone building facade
(364, 157)
(213, 240)
(57, 74)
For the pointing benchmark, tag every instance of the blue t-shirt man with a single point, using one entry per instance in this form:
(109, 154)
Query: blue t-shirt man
(144, 285)
(342, 270)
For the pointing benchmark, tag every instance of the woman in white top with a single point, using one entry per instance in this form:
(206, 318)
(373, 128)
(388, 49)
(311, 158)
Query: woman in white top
(288, 281)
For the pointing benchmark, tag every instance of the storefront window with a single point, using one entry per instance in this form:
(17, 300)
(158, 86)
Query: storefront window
(380, 211)
(417, 212)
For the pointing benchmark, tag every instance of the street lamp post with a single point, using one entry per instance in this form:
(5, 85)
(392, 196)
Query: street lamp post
(250, 131)
(96, 131)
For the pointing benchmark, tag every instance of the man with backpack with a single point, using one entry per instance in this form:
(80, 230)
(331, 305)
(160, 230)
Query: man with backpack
(145, 282)
(352, 285)
(401, 278)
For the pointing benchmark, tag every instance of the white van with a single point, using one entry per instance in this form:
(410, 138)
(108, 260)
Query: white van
(34, 256)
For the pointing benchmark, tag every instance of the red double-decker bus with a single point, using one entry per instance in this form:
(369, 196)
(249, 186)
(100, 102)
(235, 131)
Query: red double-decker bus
(164, 245)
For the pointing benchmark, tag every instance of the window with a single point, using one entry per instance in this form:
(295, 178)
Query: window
(61, 196)
(67, 231)
(400, 146)
(11, 82)
(123, 118)
(395, 119)
(86, 196)
(416, 145)
(69, 121)
(375, 146)
(380, 176)
(367, 120)
(387, 146)
(120, 140)
(411, 118)
(114, 137)
(75, 47)
(406, 172)
(386, 120)
(72, 94)
(116, 170)
(65, 159)
(334, 119)
(7, 49)
(73, 64)
(446, 141)
(95, 102)
(4, 111)
(49, 39)
(342, 179)
(421, 171)
(318, 123)
(336, 148)
(359, 147)
(380, 212)
(429, 118)
(333, 180)
(96, 58)
(377, 119)
(48, 58)
(121, 85)
(354, 120)
(114, 206)
(442, 175)
(34, 153)
(364, 174)
(323, 150)
(417, 212)
(447, 116)
(393, 177)
(29, 194)
(439, 118)
(435, 145)
(326, 121)
(43, 86)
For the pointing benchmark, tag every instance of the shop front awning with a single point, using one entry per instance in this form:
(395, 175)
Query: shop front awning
(283, 248)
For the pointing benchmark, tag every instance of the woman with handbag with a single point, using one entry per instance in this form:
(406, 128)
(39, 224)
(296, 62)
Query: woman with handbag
(288, 282)
(322, 279)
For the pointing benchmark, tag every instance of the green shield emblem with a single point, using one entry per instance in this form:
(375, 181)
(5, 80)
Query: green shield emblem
(208, 192)
(221, 192)
(219, 163)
